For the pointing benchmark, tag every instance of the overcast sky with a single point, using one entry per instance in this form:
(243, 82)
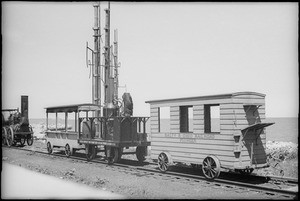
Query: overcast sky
(166, 50)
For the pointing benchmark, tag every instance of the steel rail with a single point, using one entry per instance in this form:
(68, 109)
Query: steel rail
(183, 175)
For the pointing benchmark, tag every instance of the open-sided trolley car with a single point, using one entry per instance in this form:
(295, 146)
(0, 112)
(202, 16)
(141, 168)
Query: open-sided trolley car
(66, 133)
(237, 141)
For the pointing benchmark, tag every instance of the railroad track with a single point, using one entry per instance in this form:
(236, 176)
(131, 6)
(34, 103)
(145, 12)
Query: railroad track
(273, 186)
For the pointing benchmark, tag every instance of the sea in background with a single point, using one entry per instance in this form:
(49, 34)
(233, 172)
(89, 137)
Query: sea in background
(284, 129)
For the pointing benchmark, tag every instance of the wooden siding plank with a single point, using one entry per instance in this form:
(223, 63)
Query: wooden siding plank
(227, 127)
(237, 106)
(153, 109)
(199, 118)
(228, 153)
(238, 110)
(174, 108)
(249, 101)
(231, 106)
(154, 118)
(174, 117)
(195, 146)
(235, 121)
(153, 114)
(237, 116)
(194, 156)
(198, 127)
(198, 107)
(198, 112)
(166, 136)
(154, 125)
(175, 126)
(154, 122)
(193, 141)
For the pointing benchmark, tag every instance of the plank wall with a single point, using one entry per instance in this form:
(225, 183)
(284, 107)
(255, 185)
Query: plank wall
(194, 147)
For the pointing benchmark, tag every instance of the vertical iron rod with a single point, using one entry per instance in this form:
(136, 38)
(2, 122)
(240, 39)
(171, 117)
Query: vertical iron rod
(116, 80)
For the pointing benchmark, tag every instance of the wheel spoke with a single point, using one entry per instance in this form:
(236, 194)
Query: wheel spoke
(209, 173)
(209, 161)
(213, 170)
(165, 166)
(213, 163)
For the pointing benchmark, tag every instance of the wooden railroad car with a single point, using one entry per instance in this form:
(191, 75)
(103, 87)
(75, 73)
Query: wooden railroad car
(68, 135)
(225, 131)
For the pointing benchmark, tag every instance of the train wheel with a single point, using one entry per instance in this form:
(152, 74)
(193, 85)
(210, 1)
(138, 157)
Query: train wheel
(211, 167)
(141, 152)
(49, 148)
(120, 153)
(68, 151)
(4, 134)
(90, 152)
(9, 136)
(22, 141)
(30, 140)
(163, 162)
(115, 155)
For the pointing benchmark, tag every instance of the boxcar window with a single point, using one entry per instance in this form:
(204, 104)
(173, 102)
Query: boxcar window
(186, 118)
(164, 119)
(211, 118)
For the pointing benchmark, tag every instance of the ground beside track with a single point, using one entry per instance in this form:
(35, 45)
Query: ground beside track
(111, 179)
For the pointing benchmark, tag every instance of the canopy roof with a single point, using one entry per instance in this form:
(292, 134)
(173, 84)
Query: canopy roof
(9, 110)
(73, 108)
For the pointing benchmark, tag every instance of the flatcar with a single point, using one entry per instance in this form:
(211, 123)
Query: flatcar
(15, 125)
(114, 133)
(237, 141)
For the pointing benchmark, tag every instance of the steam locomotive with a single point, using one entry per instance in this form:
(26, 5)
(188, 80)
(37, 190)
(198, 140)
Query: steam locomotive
(15, 125)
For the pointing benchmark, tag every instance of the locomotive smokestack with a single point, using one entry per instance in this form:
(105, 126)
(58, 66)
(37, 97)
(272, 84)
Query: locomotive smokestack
(108, 85)
(97, 53)
(24, 109)
(109, 108)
